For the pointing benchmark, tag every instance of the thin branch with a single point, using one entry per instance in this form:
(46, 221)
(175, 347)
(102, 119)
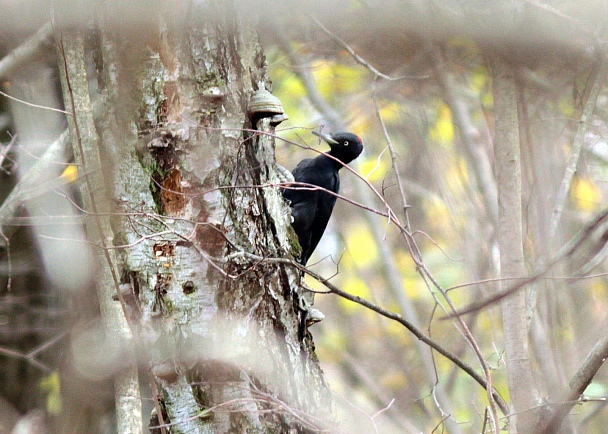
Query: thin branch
(360, 60)
(468, 336)
(31, 359)
(35, 179)
(4, 150)
(579, 382)
(389, 144)
(43, 107)
(31, 356)
(26, 52)
(559, 14)
(600, 73)
(587, 247)
(383, 312)
(307, 80)
(469, 133)
(352, 52)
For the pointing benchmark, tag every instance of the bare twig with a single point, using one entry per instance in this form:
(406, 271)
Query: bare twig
(352, 52)
(389, 144)
(45, 169)
(31, 359)
(587, 248)
(29, 104)
(413, 248)
(307, 80)
(599, 77)
(26, 52)
(383, 312)
(360, 60)
(31, 356)
(423, 269)
(480, 167)
(579, 382)
(4, 150)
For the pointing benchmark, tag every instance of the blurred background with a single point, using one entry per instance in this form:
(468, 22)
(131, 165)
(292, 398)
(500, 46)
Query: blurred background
(413, 79)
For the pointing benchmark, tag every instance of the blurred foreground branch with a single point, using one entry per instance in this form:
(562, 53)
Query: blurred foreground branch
(598, 78)
(85, 142)
(27, 51)
(42, 177)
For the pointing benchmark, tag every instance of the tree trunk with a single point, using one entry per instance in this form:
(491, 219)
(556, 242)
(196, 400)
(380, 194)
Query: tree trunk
(214, 324)
(510, 239)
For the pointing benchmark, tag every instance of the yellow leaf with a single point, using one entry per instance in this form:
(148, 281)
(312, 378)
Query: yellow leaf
(443, 130)
(585, 194)
(457, 175)
(598, 289)
(390, 111)
(70, 174)
(393, 380)
(436, 210)
(334, 79)
(566, 107)
(353, 286)
(373, 169)
(361, 245)
(479, 80)
(292, 86)
(334, 341)
(488, 100)
(51, 384)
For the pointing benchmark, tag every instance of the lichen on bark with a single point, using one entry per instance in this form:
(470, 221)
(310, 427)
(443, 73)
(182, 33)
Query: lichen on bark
(193, 183)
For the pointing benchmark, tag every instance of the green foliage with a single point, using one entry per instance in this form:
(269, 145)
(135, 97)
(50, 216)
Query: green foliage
(50, 385)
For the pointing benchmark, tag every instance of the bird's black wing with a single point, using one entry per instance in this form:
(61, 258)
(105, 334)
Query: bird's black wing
(311, 209)
(325, 205)
(301, 172)
(303, 204)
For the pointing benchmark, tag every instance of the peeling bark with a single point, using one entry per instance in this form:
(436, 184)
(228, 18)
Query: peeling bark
(217, 331)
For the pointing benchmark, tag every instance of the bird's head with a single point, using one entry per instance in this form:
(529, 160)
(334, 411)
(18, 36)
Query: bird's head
(344, 146)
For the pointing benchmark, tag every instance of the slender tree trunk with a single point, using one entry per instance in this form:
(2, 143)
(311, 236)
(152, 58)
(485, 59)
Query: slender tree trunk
(510, 239)
(216, 325)
(85, 141)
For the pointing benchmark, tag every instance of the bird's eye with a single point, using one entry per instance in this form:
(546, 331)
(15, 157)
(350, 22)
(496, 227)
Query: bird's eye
(346, 143)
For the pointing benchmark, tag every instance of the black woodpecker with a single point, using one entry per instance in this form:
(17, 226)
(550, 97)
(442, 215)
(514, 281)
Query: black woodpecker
(310, 208)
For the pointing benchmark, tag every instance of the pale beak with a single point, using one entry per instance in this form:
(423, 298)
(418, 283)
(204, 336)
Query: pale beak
(326, 137)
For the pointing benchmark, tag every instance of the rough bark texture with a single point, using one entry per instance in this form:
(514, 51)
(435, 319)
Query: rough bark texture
(85, 142)
(217, 331)
(510, 239)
